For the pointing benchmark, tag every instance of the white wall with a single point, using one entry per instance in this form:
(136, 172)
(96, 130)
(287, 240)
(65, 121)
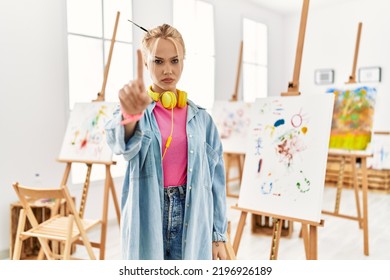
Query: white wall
(228, 29)
(34, 90)
(34, 82)
(330, 43)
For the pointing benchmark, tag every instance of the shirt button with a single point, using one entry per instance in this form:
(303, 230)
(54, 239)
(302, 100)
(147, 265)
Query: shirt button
(186, 224)
(190, 169)
(191, 151)
(190, 135)
(189, 187)
(187, 205)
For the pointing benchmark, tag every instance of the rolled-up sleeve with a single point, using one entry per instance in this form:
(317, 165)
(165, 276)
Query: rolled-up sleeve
(115, 135)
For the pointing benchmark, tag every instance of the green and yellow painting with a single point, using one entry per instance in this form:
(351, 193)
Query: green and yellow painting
(353, 116)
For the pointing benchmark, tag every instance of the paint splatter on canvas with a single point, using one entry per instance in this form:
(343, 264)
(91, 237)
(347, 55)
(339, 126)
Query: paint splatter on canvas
(285, 163)
(85, 138)
(353, 116)
(232, 120)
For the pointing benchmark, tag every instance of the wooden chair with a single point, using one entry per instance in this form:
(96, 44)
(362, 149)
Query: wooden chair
(64, 229)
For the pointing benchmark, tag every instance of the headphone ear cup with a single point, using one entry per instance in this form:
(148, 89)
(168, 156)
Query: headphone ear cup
(168, 100)
(182, 99)
(154, 95)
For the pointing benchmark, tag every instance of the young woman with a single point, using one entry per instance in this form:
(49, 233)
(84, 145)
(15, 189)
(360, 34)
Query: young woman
(173, 199)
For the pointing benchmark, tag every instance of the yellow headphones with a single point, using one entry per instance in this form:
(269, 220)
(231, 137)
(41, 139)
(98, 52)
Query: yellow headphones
(168, 98)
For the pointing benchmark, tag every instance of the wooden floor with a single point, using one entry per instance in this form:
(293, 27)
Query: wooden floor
(339, 239)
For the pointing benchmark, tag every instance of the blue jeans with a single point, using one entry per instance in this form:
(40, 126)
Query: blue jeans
(174, 206)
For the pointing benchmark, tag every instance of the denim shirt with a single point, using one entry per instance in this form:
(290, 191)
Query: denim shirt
(142, 195)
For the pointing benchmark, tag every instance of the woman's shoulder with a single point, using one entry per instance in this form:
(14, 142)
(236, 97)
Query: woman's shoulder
(198, 109)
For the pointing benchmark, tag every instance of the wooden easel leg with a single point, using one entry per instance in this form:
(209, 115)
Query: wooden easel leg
(365, 205)
(305, 237)
(277, 230)
(240, 159)
(85, 190)
(103, 235)
(66, 174)
(114, 197)
(240, 228)
(340, 185)
(228, 245)
(313, 243)
(356, 190)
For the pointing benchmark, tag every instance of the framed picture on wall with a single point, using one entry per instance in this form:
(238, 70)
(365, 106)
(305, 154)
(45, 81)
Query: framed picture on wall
(369, 74)
(324, 76)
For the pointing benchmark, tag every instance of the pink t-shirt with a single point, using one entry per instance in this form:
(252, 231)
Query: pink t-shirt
(175, 159)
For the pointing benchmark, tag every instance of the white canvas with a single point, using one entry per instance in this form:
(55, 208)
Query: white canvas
(232, 119)
(85, 137)
(285, 162)
(380, 149)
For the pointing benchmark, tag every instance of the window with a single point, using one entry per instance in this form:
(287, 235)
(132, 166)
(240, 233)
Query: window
(195, 21)
(90, 29)
(255, 71)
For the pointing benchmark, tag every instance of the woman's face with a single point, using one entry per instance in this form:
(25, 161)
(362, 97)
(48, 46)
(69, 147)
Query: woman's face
(165, 65)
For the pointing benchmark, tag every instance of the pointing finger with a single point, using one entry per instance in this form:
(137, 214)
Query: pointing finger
(140, 66)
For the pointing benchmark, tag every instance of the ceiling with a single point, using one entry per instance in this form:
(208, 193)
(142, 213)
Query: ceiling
(293, 6)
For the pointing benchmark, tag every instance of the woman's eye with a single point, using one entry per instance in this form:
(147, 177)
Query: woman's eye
(175, 61)
(158, 61)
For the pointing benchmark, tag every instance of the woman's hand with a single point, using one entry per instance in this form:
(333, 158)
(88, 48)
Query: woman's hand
(133, 96)
(219, 251)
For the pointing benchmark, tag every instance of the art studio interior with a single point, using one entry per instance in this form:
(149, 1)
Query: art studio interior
(298, 90)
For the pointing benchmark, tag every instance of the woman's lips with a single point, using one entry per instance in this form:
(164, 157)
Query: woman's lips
(168, 80)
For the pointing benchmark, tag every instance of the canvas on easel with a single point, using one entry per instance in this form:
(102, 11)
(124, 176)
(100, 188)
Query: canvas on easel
(232, 119)
(286, 155)
(85, 138)
(351, 133)
(380, 148)
(353, 116)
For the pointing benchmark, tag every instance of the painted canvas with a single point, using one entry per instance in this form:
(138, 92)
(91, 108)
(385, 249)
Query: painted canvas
(285, 162)
(232, 119)
(353, 117)
(85, 138)
(380, 149)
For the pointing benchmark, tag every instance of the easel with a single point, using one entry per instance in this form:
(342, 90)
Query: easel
(309, 228)
(109, 184)
(352, 157)
(352, 77)
(234, 157)
(309, 232)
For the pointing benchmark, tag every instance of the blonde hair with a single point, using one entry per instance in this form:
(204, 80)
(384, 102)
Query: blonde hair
(164, 31)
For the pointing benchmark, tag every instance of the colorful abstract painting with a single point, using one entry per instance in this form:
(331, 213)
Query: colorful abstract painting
(353, 116)
(285, 163)
(232, 119)
(85, 138)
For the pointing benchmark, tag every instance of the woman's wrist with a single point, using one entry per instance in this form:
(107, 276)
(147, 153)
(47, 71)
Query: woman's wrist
(216, 243)
(128, 118)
